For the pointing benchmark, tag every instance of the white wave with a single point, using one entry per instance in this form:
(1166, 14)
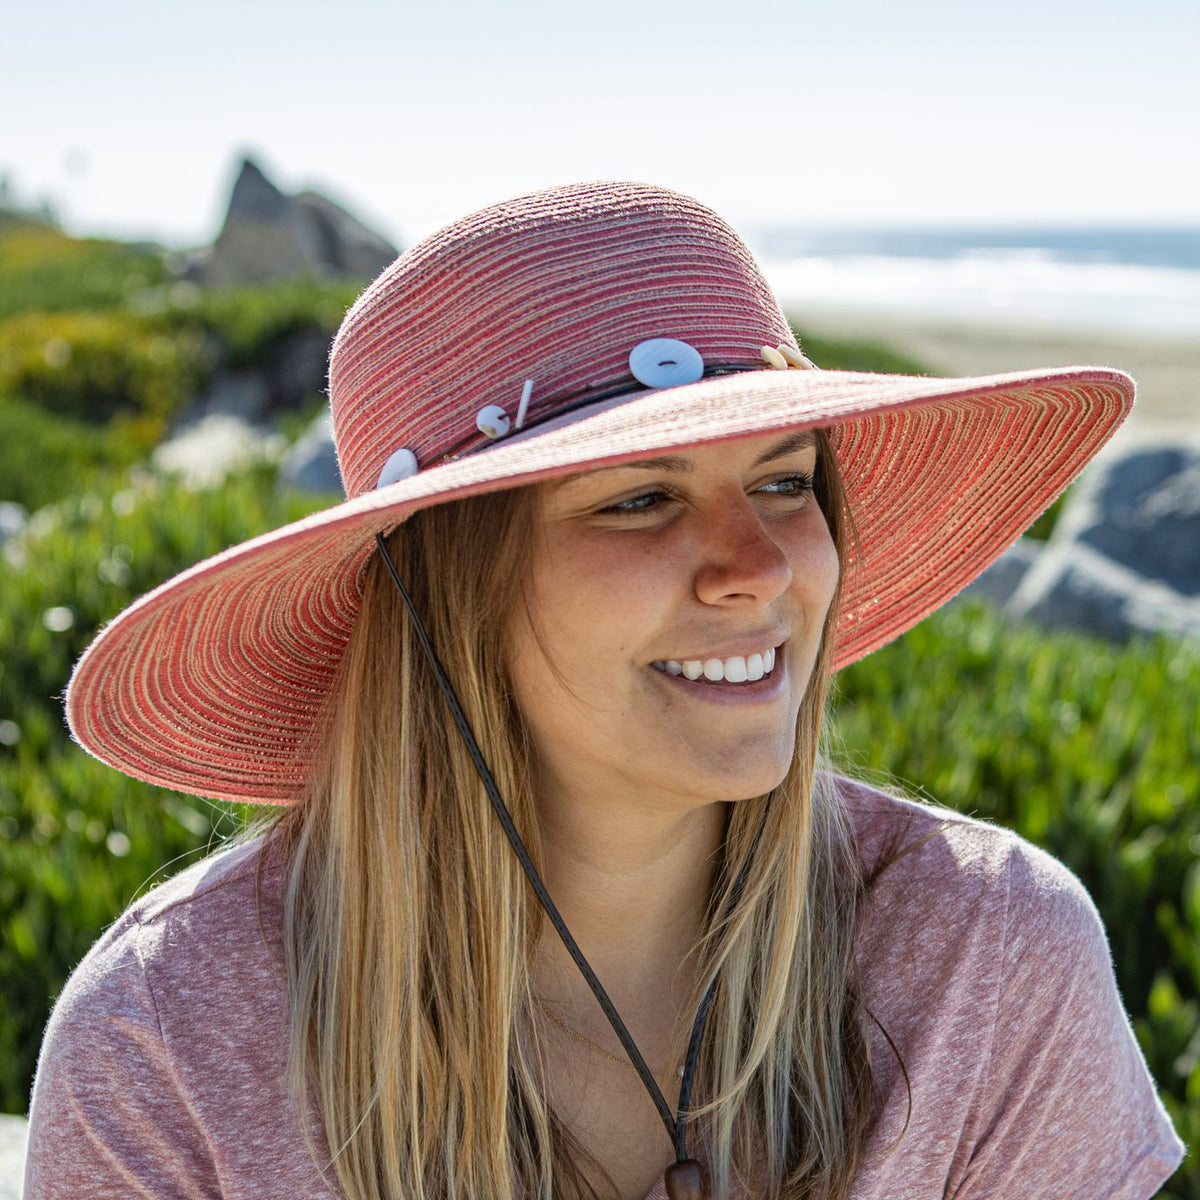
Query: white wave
(1022, 285)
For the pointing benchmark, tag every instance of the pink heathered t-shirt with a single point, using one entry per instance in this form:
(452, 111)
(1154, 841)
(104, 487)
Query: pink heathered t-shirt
(163, 1070)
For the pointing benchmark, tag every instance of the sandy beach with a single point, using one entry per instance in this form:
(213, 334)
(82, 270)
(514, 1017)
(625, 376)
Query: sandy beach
(1167, 369)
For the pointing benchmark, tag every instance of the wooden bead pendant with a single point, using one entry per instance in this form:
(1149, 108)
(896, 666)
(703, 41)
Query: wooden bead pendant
(685, 1181)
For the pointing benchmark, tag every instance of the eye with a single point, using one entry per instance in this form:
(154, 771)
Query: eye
(645, 502)
(798, 484)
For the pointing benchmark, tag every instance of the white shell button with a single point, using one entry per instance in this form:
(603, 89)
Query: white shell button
(493, 421)
(665, 362)
(401, 465)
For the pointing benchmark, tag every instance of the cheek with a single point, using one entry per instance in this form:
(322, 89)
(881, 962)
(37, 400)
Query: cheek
(815, 567)
(565, 642)
(538, 690)
(828, 572)
(594, 601)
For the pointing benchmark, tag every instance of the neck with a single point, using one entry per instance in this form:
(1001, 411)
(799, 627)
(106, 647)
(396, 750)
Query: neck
(632, 887)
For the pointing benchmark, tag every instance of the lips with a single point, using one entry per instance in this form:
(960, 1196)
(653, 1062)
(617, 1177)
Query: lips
(736, 669)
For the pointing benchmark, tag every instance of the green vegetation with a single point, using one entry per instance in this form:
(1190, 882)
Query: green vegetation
(99, 366)
(1041, 529)
(856, 354)
(42, 456)
(100, 353)
(44, 270)
(139, 366)
(78, 840)
(250, 322)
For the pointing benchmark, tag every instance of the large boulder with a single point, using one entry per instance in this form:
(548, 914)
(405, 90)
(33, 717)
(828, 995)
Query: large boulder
(311, 464)
(269, 235)
(1125, 554)
(1004, 576)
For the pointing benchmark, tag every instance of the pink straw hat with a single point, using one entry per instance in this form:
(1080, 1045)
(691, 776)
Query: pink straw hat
(591, 324)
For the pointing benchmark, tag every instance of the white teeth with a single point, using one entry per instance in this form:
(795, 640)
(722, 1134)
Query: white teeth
(735, 670)
(721, 670)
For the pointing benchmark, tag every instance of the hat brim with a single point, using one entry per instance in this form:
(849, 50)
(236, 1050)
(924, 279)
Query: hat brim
(213, 682)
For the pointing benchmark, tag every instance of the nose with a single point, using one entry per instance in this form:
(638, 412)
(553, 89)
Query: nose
(740, 563)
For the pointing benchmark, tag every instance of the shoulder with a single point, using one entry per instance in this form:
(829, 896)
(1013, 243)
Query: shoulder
(211, 887)
(174, 1002)
(232, 896)
(966, 911)
(219, 913)
(986, 963)
(929, 856)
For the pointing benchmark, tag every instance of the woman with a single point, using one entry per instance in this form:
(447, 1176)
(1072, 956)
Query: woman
(562, 891)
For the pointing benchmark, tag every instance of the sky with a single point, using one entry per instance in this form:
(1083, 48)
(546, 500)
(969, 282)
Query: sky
(131, 117)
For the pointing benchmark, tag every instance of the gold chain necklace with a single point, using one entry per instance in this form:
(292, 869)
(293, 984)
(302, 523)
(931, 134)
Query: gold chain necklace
(575, 1035)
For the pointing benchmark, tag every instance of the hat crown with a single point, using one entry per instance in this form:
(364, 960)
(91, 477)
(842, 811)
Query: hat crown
(556, 287)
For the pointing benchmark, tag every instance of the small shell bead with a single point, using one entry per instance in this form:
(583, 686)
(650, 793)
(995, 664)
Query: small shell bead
(493, 421)
(773, 358)
(401, 464)
(796, 359)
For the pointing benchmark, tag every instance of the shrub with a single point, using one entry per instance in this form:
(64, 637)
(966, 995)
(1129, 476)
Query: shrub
(78, 840)
(858, 354)
(92, 390)
(250, 322)
(42, 455)
(44, 270)
(97, 366)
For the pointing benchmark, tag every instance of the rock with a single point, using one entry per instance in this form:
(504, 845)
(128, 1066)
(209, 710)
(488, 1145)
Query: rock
(269, 235)
(1004, 576)
(344, 245)
(1125, 554)
(1144, 513)
(291, 375)
(1075, 588)
(13, 1135)
(311, 464)
(296, 370)
(245, 395)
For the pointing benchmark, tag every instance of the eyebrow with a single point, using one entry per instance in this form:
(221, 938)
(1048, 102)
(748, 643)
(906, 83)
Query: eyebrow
(794, 442)
(678, 463)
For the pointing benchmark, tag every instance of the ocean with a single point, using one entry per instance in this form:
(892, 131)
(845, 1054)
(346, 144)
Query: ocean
(1141, 281)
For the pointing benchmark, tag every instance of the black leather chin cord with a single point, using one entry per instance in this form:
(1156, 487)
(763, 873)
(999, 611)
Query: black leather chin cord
(676, 1125)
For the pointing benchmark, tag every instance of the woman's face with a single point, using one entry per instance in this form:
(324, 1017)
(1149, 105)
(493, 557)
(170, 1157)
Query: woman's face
(674, 613)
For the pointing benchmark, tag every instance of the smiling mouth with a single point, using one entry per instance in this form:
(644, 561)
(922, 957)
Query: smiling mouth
(748, 669)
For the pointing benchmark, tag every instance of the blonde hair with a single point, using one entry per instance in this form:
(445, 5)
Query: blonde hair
(410, 928)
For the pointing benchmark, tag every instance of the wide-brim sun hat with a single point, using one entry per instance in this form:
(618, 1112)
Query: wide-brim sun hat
(577, 327)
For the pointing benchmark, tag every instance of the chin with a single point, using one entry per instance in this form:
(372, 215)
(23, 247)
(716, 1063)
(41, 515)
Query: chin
(734, 785)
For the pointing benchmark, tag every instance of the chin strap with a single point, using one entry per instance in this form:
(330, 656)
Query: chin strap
(684, 1177)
